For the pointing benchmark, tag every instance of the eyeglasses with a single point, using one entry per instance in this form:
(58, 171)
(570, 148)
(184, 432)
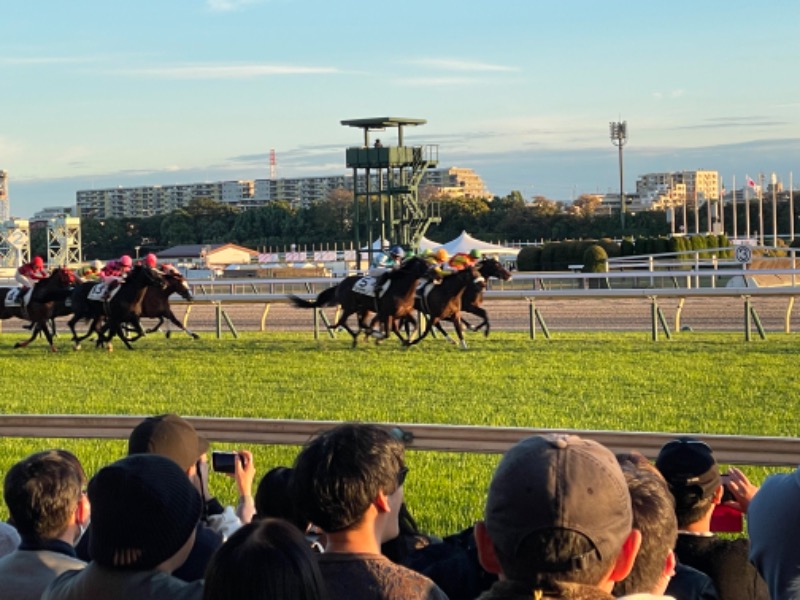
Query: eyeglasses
(401, 476)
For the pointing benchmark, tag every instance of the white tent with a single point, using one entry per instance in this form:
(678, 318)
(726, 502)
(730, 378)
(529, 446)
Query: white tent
(465, 242)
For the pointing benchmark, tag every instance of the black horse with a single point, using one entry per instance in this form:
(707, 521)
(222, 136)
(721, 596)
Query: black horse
(107, 317)
(156, 302)
(46, 295)
(393, 302)
(442, 302)
(472, 299)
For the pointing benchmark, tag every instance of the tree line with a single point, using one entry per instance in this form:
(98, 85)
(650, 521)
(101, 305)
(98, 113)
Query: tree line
(330, 222)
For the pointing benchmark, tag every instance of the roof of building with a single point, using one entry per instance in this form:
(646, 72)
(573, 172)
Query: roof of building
(382, 122)
(188, 250)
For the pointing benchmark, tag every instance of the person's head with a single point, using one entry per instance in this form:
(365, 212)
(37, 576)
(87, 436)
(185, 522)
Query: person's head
(126, 261)
(441, 255)
(397, 253)
(654, 517)
(38, 262)
(44, 495)
(385, 245)
(558, 510)
(342, 472)
(151, 260)
(171, 436)
(274, 499)
(693, 477)
(264, 560)
(475, 254)
(96, 265)
(144, 514)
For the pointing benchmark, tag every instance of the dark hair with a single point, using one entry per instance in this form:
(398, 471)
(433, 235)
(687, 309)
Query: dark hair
(654, 516)
(264, 560)
(547, 557)
(690, 506)
(274, 499)
(42, 491)
(340, 473)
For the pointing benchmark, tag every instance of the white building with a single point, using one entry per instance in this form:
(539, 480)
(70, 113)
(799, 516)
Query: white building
(5, 209)
(146, 201)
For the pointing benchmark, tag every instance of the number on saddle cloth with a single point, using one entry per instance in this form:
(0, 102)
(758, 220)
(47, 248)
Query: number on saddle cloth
(98, 292)
(365, 285)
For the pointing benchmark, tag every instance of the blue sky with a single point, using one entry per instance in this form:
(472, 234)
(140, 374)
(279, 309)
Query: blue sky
(100, 94)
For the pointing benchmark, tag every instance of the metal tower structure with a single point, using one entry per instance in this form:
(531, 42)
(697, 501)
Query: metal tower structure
(64, 242)
(15, 243)
(386, 200)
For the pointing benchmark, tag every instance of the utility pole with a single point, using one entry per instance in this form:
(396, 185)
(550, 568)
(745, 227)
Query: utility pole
(619, 136)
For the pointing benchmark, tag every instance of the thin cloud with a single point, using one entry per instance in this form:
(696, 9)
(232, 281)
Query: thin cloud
(450, 64)
(45, 60)
(437, 81)
(230, 71)
(673, 94)
(734, 122)
(229, 5)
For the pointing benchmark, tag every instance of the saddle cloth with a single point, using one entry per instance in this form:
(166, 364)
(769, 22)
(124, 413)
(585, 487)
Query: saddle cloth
(98, 291)
(14, 297)
(366, 286)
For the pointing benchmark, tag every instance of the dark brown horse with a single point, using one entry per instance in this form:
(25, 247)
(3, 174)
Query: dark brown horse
(107, 318)
(472, 299)
(156, 302)
(46, 294)
(390, 304)
(442, 302)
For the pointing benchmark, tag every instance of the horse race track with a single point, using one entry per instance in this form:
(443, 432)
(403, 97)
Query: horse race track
(698, 382)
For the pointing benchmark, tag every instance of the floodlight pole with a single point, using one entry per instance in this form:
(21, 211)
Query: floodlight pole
(619, 136)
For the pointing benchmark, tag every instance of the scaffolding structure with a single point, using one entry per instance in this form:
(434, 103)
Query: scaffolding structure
(386, 197)
(64, 242)
(15, 243)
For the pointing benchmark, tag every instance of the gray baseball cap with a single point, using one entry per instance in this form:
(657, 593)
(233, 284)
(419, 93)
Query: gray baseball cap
(559, 481)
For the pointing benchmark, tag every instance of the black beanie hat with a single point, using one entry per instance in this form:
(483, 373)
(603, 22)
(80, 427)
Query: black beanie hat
(144, 508)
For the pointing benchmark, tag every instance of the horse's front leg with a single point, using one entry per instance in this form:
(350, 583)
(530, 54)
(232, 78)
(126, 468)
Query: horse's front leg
(459, 330)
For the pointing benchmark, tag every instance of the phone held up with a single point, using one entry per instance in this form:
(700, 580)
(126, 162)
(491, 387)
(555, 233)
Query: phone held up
(727, 518)
(225, 462)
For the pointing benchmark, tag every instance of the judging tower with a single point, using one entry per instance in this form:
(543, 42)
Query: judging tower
(386, 191)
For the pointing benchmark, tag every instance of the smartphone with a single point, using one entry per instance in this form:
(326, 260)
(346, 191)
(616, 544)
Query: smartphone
(225, 462)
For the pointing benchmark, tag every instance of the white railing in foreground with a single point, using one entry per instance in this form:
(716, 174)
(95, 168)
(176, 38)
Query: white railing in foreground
(729, 449)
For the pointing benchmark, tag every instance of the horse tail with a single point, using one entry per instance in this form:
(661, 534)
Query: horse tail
(325, 298)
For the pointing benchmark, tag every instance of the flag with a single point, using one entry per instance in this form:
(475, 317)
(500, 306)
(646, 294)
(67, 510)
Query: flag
(750, 182)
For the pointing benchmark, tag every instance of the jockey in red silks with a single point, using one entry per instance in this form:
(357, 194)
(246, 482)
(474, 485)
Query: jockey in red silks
(114, 273)
(27, 276)
(151, 260)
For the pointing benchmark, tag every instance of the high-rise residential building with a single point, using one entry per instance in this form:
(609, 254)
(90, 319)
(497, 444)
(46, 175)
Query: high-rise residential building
(665, 189)
(5, 209)
(146, 201)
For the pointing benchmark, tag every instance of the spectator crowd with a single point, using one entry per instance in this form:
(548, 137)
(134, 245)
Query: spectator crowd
(564, 518)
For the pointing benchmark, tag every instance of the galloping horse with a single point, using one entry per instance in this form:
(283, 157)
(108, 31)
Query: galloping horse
(442, 302)
(156, 302)
(41, 308)
(107, 318)
(473, 297)
(394, 301)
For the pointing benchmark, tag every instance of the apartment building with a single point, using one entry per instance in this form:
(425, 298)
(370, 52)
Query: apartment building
(146, 201)
(670, 189)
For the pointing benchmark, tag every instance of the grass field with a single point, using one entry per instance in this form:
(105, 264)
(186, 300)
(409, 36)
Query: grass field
(698, 383)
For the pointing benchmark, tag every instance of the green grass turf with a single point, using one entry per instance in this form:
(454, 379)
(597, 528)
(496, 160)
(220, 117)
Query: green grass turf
(703, 383)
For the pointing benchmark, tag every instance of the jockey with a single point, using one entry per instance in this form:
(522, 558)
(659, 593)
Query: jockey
(396, 256)
(27, 276)
(394, 259)
(151, 260)
(91, 272)
(114, 273)
(462, 260)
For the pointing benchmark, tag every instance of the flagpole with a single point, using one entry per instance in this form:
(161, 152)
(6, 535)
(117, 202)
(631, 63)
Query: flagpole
(721, 208)
(747, 210)
(760, 192)
(735, 234)
(774, 183)
(791, 208)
